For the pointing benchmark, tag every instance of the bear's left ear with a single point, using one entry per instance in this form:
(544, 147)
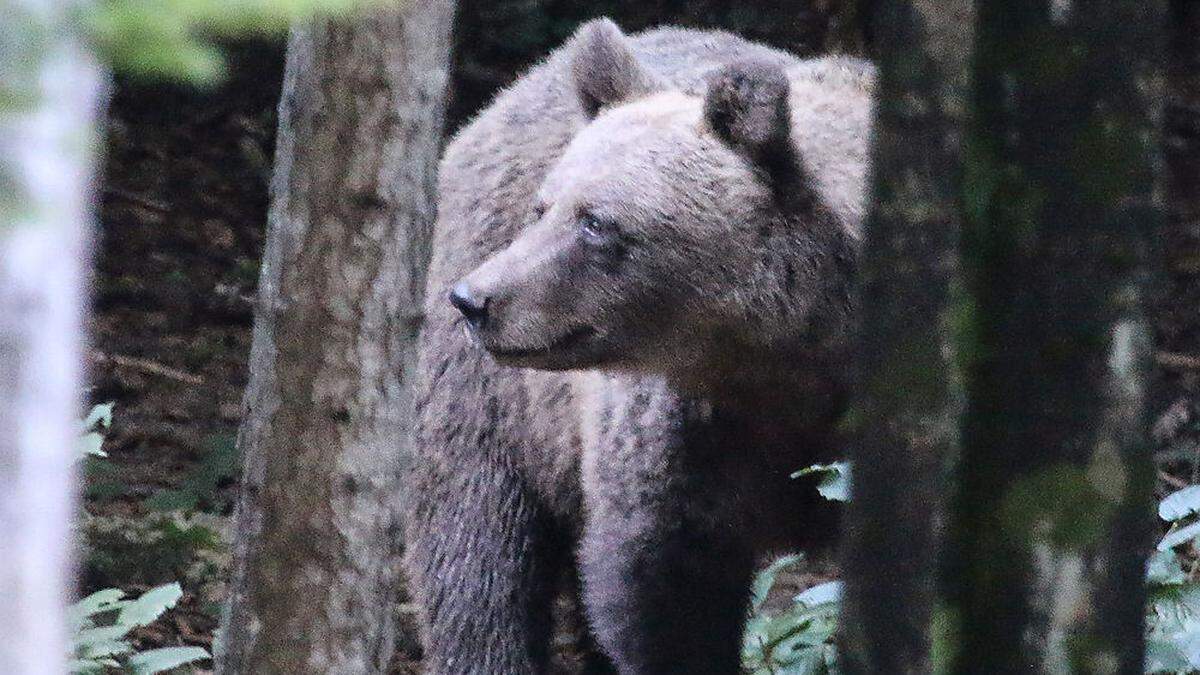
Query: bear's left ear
(605, 69)
(747, 107)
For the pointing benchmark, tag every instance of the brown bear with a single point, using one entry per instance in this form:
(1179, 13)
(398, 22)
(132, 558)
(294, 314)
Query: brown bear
(648, 243)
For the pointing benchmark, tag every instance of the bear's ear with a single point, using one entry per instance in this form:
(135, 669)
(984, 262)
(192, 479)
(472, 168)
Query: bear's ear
(747, 107)
(604, 68)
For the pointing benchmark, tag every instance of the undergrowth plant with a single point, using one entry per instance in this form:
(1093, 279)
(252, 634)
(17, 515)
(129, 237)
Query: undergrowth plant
(1173, 619)
(800, 639)
(100, 624)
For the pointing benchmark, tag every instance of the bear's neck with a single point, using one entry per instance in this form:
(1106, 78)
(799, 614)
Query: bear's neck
(794, 390)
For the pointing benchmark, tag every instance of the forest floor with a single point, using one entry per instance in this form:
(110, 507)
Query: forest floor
(182, 211)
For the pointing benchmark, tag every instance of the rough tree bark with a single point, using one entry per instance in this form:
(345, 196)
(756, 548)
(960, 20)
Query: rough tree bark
(317, 553)
(50, 95)
(905, 416)
(1053, 509)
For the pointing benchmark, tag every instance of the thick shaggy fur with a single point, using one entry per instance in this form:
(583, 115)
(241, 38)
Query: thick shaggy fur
(722, 187)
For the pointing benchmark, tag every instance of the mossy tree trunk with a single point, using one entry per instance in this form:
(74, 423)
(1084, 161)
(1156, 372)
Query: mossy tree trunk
(905, 414)
(1053, 512)
(317, 555)
(51, 93)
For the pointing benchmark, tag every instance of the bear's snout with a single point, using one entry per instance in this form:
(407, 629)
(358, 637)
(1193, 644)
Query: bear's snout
(474, 307)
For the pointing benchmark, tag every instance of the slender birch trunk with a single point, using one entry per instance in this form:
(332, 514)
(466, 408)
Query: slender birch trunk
(50, 95)
(317, 553)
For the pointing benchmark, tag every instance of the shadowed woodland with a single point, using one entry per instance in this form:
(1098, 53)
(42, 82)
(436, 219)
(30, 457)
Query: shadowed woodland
(1023, 437)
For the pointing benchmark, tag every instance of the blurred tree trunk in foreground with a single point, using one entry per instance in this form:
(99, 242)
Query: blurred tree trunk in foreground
(905, 417)
(1176, 313)
(50, 95)
(317, 556)
(1052, 514)
(847, 25)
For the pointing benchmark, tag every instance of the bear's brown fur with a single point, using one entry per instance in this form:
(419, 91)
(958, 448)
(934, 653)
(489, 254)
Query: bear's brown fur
(671, 221)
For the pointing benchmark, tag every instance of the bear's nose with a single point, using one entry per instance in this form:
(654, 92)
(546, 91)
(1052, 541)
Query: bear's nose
(472, 306)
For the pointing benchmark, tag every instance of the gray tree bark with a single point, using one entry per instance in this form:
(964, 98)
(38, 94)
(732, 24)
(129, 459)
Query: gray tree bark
(1053, 511)
(50, 95)
(905, 413)
(325, 434)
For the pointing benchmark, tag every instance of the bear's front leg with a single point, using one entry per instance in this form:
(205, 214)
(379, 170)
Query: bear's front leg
(484, 559)
(665, 564)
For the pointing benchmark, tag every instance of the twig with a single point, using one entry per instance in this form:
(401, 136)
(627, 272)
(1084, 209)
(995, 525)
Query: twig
(1176, 361)
(147, 366)
(1177, 483)
(152, 204)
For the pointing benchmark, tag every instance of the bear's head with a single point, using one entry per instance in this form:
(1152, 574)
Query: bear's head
(676, 232)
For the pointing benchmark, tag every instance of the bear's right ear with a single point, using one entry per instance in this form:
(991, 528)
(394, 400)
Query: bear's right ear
(605, 69)
(747, 108)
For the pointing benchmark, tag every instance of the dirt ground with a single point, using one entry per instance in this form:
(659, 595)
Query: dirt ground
(182, 206)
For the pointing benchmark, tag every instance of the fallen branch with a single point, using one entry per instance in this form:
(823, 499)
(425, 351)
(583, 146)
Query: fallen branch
(1176, 361)
(147, 366)
(140, 200)
(1174, 482)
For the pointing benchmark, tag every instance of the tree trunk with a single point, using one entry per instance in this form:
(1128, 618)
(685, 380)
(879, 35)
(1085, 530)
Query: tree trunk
(1176, 318)
(325, 435)
(847, 25)
(49, 98)
(905, 414)
(1053, 508)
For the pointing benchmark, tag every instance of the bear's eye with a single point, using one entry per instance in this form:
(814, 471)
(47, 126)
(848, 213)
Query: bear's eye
(595, 231)
(539, 210)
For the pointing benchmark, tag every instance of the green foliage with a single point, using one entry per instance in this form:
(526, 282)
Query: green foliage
(101, 623)
(201, 488)
(835, 480)
(98, 420)
(1173, 621)
(1061, 503)
(149, 550)
(173, 39)
(799, 640)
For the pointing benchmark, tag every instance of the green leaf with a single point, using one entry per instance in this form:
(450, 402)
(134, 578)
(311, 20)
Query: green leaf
(1164, 569)
(1179, 537)
(828, 593)
(1164, 657)
(1179, 504)
(150, 605)
(765, 579)
(103, 651)
(90, 444)
(97, 642)
(173, 38)
(835, 482)
(166, 658)
(99, 415)
(96, 603)
(84, 666)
